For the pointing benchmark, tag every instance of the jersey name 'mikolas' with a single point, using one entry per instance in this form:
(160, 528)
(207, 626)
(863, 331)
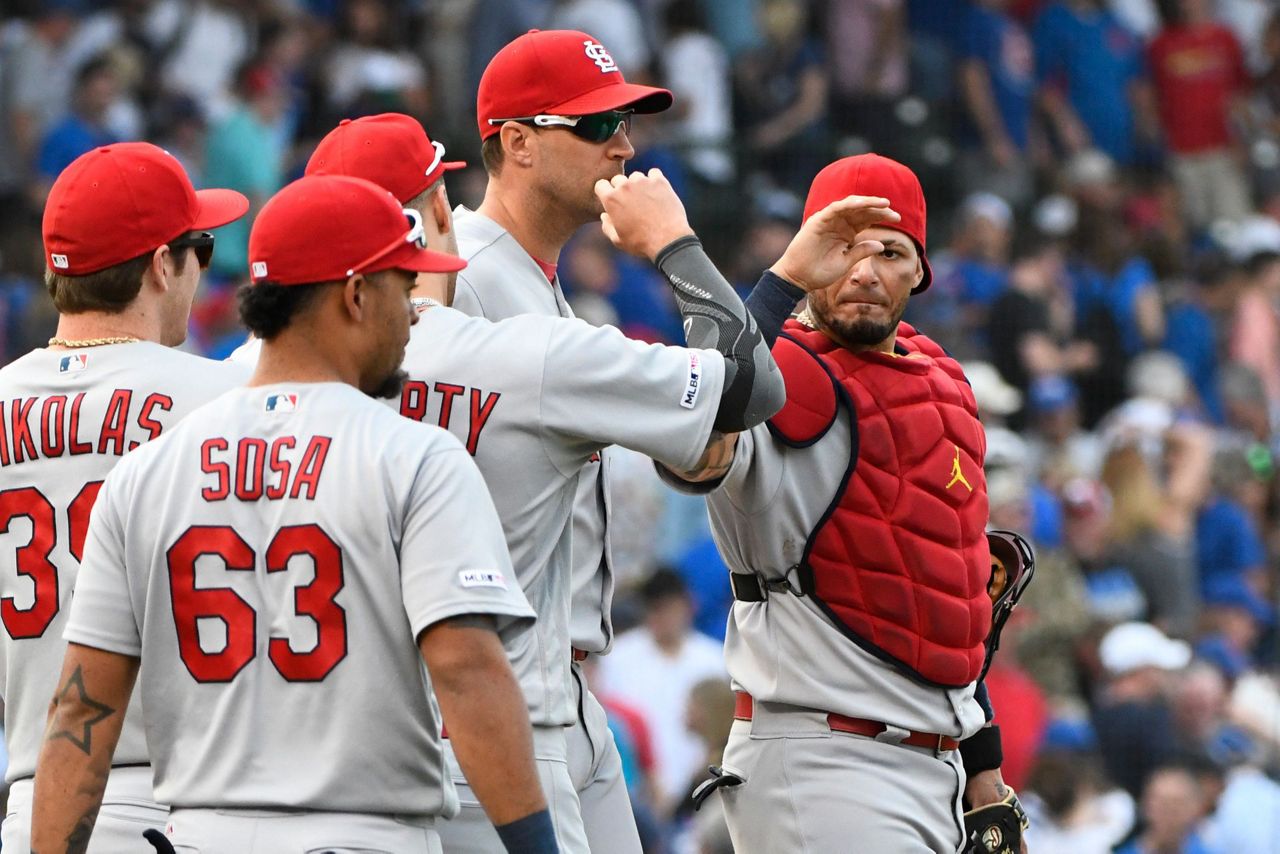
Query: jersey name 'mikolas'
(255, 469)
(35, 427)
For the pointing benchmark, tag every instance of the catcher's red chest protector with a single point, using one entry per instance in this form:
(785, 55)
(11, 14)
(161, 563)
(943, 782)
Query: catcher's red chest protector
(900, 558)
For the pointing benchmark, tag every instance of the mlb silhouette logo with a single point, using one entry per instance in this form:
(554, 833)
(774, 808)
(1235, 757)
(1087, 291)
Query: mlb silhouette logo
(282, 402)
(72, 363)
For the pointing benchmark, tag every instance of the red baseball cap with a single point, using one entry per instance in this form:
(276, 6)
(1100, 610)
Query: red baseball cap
(120, 201)
(324, 228)
(873, 175)
(392, 150)
(557, 72)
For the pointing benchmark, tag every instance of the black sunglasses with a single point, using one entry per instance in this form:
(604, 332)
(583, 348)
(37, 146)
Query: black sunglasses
(202, 243)
(593, 127)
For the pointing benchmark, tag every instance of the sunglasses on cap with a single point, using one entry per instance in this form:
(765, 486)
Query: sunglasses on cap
(201, 242)
(594, 127)
(417, 235)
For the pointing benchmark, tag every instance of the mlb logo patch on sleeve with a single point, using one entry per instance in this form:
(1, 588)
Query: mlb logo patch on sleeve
(689, 397)
(282, 402)
(72, 363)
(481, 578)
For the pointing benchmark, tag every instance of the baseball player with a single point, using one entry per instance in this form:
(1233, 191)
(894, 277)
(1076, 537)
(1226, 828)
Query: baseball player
(125, 239)
(534, 397)
(305, 551)
(553, 112)
(393, 151)
(854, 527)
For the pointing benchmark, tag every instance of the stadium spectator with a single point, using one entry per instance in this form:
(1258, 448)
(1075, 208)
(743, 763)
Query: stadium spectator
(1255, 333)
(695, 67)
(615, 23)
(867, 43)
(654, 668)
(1197, 68)
(1133, 717)
(245, 152)
(997, 78)
(1073, 807)
(85, 127)
(1090, 68)
(780, 97)
(1173, 804)
(371, 70)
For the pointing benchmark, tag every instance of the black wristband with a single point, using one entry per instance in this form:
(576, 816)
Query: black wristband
(984, 700)
(533, 834)
(673, 247)
(771, 302)
(981, 751)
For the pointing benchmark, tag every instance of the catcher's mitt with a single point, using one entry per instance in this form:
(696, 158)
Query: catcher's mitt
(996, 828)
(1013, 565)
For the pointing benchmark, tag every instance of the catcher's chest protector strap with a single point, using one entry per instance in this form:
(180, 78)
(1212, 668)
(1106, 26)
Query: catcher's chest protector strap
(811, 395)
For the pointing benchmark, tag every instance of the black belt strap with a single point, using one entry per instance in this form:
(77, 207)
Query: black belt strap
(751, 587)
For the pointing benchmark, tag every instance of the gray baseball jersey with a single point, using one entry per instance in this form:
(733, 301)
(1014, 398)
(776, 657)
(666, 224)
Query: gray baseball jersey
(66, 419)
(533, 398)
(785, 650)
(297, 539)
(502, 281)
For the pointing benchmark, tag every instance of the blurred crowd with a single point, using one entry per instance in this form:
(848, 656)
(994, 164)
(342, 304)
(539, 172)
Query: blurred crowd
(1104, 187)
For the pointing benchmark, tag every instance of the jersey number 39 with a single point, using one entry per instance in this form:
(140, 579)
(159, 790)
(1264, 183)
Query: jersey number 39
(33, 559)
(314, 600)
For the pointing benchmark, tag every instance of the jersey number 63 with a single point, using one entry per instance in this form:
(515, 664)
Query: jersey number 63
(314, 600)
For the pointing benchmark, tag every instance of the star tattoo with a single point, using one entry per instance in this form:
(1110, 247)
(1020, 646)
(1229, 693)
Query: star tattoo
(101, 712)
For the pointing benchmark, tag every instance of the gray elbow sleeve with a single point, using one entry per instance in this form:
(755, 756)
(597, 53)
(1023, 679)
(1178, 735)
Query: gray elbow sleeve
(715, 318)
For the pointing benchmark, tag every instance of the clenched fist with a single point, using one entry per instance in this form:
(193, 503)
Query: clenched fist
(642, 213)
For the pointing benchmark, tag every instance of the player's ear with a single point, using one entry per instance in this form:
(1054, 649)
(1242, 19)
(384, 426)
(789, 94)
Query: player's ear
(518, 142)
(440, 211)
(354, 294)
(158, 269)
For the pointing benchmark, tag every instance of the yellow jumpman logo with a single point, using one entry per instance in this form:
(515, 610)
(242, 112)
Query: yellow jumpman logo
(957, 476)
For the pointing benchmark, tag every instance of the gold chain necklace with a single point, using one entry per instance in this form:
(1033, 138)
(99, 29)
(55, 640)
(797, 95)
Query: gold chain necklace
(72, 343)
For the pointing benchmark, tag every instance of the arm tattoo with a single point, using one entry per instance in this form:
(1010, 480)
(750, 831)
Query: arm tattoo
(74, 690)
(715, 460)
(78, 841)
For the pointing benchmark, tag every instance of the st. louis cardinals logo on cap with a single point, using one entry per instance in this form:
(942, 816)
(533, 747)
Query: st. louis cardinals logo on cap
(597, 54)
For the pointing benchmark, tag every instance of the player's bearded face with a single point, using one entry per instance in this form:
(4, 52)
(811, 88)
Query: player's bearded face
(864, 309)
(392, 289)
(391, 386)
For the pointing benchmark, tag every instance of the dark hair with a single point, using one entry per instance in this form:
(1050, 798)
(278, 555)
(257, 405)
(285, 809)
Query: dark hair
(491, 154)
(662, 585)
(95, 67)
(685, 16)
(110, 290)
(267, 308)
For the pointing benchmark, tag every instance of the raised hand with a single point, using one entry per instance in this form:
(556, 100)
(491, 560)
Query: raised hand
(826, 247)
(642, 213)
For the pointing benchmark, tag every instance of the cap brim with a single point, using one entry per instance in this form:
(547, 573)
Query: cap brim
(631, 96)
(435, 174)
(218, 207)
(417, 260)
